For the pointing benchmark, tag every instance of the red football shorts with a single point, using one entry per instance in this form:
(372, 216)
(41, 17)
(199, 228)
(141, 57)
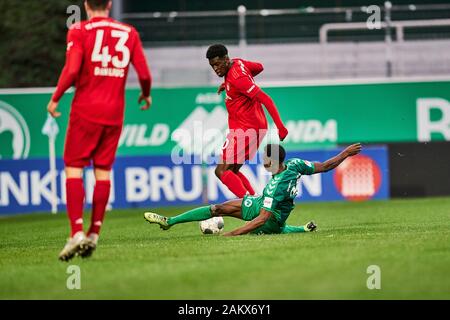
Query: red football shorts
(86, 141)
(242, 145)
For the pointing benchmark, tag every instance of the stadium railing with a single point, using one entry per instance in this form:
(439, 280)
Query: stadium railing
(352, 51)
(267, 26)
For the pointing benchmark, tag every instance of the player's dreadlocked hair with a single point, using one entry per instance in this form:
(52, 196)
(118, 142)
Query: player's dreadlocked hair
(275, 152)
(98, 4)
(216, 50)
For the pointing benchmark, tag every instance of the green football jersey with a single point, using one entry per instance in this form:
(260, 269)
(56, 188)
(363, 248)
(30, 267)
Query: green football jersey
(279, 194)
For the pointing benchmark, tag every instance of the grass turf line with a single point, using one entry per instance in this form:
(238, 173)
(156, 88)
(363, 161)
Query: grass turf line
(408, 239)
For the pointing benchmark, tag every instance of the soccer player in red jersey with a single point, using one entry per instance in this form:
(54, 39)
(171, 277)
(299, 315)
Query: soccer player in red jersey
(99, 52)
(246, 119)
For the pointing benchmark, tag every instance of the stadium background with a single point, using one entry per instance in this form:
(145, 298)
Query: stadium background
(387, 88)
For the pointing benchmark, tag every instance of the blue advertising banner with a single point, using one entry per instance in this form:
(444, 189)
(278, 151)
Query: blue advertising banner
(155, 181)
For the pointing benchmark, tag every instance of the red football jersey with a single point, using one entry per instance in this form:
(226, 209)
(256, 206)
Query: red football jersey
(106, 48)
(244, 111)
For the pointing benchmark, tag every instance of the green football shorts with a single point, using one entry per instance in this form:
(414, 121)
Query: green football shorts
(250, 208)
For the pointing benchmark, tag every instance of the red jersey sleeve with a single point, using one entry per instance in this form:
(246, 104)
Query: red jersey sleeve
(270, 106)
(74, 39)
(74, 60)
(246, 86)
(254, 67)
(140, 64)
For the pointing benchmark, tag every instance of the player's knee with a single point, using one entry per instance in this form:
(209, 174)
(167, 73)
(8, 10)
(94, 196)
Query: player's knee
(217, 210)
(102, 175)
(219, 172)
(74, 173)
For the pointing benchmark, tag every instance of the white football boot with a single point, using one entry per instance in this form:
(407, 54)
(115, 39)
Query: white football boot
(72, 246)
(89, 245)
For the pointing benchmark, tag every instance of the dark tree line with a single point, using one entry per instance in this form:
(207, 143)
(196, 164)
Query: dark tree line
(32, 41)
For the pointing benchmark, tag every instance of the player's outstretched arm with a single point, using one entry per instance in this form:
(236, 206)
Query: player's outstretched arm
(273, 111)
(264, 215)
(332, 163)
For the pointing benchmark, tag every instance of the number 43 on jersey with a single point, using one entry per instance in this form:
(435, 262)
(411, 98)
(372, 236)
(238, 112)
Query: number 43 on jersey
(101, 54)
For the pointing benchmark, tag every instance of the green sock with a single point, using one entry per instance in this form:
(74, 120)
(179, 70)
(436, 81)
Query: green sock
(293, 229)
(197, 214)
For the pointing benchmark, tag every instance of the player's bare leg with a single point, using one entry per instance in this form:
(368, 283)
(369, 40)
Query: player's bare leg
(74, 173)
(99, 203)
(230, 208)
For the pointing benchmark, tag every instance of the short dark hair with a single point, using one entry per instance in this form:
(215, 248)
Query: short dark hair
(275, 152)
(98, 4)
(216, 50)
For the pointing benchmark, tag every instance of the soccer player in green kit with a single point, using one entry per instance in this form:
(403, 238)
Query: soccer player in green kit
(266, 214)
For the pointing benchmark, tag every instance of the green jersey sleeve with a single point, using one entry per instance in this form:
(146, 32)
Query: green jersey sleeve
(303, 167)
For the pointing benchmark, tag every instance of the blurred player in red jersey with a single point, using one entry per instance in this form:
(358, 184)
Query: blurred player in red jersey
(246, 119)
(99, 52)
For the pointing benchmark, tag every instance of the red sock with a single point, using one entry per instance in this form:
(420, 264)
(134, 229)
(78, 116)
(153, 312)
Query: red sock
(75, 203)
(246, 183)
(234, 183)
(99, 202)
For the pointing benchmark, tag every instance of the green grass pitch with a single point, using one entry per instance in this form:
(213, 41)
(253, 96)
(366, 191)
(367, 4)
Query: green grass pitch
(408, 239)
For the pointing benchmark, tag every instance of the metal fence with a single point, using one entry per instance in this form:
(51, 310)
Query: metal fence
(300, 44)
(277, 25)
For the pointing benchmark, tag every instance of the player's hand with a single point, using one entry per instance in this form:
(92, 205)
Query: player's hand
(52, 109)
(147, 100)
(221, 88)
(227, 234)
(352, 150)
(282, 133)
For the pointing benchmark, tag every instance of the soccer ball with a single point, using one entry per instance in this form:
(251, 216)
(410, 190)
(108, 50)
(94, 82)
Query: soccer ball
(212, 226)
